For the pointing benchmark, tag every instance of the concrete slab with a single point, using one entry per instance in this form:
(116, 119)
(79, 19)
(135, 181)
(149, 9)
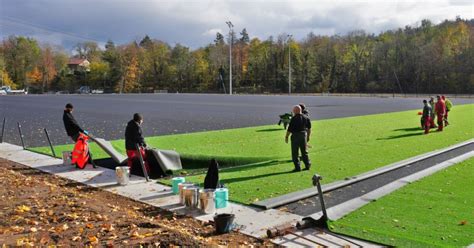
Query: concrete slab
(313, 237)
(250, 221)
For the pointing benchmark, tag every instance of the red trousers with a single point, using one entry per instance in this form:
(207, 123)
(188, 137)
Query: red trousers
(427, 124)
(440, 121)
(132, 154)
(432, 124)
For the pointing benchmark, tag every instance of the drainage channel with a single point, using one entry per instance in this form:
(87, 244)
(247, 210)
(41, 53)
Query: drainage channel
(334, 197)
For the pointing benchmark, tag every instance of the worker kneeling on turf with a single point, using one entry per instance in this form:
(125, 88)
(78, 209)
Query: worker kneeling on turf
(134, 137)
(300, 130)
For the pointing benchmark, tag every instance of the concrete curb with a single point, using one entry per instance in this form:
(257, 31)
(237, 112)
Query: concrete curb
(341, 210)
(296, 196)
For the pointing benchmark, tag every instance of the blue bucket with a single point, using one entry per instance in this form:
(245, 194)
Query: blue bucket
(174, 182)
(222, 197)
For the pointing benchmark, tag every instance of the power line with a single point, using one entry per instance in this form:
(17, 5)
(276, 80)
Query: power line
(47, 29)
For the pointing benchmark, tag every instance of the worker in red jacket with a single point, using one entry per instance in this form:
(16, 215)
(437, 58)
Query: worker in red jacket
(440, 109)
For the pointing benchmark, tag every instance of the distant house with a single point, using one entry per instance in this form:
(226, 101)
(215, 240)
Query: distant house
(78, 65)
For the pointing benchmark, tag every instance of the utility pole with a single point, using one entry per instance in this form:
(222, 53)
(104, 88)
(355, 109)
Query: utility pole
(289, 65)
(231, 36)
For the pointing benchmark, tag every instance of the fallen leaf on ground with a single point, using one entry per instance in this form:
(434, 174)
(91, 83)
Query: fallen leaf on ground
(93, 240)
(64, 227)
(24, 242)
(463, 223)
(22, 209)
(135, 234)
(107, 227)
(17, 229)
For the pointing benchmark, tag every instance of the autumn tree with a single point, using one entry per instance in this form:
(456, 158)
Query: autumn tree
(131, 72)
(21, 55)
(89, 50)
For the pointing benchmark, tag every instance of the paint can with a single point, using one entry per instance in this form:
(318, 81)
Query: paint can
(191, 197)
(181, 187)
(174, 184)
(123, 175)
(66, 158)
(207, 201)
(222, 197)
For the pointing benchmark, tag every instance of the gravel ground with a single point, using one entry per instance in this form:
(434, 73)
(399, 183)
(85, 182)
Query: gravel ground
(106, 115)
(41, 210)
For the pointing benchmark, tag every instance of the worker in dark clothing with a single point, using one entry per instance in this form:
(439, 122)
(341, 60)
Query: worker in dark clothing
(211, 181)
(426, 117)
(134, 136)
(72, 127)
(300, 130)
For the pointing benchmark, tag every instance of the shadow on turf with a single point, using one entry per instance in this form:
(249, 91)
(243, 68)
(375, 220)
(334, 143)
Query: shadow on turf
(240, 179)
(401, 136)
(270, 130)
(410, 129)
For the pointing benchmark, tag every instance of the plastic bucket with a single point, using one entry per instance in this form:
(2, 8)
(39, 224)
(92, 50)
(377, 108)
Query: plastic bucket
(191, 197)
(223, 223)
(222, 197)
(123, 175)
(181, 187)
(207, 202)
(174, 184)
(66, 158)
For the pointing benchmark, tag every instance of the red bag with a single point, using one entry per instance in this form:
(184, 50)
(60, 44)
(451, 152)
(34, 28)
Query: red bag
(80, 154)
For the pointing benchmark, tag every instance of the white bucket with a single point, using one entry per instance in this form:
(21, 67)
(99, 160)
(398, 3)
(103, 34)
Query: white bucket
(66, 158)
(123, 175)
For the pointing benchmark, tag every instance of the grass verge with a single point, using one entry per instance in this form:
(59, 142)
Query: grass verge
(435, 211)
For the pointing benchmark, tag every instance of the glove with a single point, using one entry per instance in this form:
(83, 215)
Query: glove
(85, 132)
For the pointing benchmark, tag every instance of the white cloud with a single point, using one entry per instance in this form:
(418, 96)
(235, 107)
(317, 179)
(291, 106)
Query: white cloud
(194, 23)
(212, 32)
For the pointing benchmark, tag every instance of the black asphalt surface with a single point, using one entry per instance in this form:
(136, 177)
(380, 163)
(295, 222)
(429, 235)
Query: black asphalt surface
(311, 205)
(106, 115)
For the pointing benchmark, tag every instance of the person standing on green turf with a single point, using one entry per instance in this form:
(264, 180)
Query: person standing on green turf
(432, 121)
(426, 117)
(449, 106)
(300, 130)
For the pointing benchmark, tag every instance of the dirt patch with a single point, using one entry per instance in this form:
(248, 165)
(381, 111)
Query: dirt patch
(40, 209)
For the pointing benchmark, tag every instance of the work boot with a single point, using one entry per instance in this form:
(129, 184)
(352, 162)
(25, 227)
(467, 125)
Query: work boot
(94, 165)
(297, 169)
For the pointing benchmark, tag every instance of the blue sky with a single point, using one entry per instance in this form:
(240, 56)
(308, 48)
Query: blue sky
(195, 23)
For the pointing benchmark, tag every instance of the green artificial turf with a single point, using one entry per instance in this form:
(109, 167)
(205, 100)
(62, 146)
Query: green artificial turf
(435, 211)
(342, 148)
